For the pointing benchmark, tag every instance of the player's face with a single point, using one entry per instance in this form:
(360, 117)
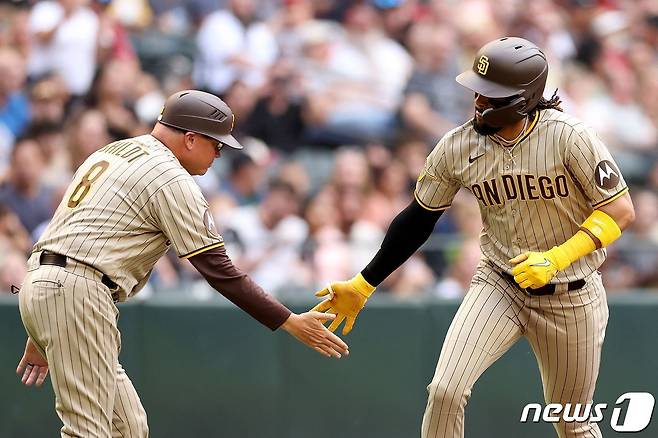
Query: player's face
(482, 103)
(202, 152)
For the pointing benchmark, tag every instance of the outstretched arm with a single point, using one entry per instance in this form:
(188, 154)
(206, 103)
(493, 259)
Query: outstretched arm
(408, 231)
(240, 289)
(406, 234)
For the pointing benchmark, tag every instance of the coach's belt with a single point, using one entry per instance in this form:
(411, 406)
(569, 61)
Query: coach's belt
(548, 289)
(51, 258)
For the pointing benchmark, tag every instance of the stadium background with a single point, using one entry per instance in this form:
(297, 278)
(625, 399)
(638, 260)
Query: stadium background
(338, 103)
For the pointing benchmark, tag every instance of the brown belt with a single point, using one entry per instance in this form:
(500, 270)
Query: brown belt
(51, 258)
(548, 289)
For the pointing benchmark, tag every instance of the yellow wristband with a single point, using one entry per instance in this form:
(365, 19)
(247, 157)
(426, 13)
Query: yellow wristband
(601, 228)
(361, 285)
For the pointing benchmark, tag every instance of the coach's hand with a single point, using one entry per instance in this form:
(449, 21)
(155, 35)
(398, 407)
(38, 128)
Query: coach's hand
(346, 299)
(33, 366)
(535, 269)
(308, 328)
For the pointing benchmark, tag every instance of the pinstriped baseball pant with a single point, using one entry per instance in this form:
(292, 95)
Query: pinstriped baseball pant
(565, 331)
(71, 317)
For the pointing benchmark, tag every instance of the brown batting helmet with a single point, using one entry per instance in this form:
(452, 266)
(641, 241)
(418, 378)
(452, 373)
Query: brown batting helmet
(200, 112)
(509, 67)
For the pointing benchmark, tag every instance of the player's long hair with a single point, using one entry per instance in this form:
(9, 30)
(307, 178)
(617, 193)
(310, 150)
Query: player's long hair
(552, 103)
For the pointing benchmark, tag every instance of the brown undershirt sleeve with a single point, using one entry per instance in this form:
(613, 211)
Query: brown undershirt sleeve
(218, 269)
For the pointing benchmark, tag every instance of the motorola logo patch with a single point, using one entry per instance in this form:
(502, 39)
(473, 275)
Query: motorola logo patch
(209, 222)
(606, 175)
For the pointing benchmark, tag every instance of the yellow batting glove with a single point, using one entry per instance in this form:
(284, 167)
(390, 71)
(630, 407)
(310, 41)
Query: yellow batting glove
(345, 300)
(536, 269)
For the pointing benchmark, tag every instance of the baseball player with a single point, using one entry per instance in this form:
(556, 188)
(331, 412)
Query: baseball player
(551, 198)
(128, 203)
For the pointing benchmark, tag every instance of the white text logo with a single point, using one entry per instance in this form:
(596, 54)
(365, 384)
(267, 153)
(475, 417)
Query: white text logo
(634, 417)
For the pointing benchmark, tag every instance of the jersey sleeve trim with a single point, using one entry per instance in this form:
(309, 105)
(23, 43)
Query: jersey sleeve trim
(427, 207)
(612, 198)
(200, 250)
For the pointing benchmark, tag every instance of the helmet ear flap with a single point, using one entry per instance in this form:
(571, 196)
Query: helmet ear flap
(510, 113)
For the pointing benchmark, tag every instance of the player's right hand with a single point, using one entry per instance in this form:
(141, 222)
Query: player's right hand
(32, 366)
(346, 299)
(308, 328)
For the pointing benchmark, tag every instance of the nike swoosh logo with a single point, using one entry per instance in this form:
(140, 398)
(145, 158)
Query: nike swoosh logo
(544, 263)
(471, 159)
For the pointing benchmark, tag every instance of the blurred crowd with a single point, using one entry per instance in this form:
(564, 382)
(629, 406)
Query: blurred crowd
(338, 103)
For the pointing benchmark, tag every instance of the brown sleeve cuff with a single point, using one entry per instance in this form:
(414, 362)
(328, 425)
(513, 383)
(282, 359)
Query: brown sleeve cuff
(218, 269)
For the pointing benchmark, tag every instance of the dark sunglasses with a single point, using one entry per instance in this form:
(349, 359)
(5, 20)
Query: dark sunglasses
(219, 146)
(499, 103)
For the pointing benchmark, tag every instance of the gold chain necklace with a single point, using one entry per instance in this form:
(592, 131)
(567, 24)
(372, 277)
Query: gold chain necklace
(509, 145)
(514, 141)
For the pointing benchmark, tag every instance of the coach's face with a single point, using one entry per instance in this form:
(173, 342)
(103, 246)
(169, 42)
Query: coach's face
(199, 153)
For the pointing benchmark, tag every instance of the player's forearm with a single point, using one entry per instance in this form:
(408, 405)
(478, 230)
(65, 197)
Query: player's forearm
(221, 274)
(621, 210)
(599, 230)
(406, 234)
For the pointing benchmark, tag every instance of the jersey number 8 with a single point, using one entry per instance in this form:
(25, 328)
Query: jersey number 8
(82, 189)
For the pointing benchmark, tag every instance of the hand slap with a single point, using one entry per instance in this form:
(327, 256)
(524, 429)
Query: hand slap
(345, 299)
(309, 329)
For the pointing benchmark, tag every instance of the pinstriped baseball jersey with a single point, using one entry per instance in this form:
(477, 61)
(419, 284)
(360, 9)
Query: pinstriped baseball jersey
(128, 202)
(532, 195)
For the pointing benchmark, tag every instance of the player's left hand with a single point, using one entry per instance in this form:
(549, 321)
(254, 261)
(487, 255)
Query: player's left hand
(33, 366)
(534, 269)
(345, 299)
